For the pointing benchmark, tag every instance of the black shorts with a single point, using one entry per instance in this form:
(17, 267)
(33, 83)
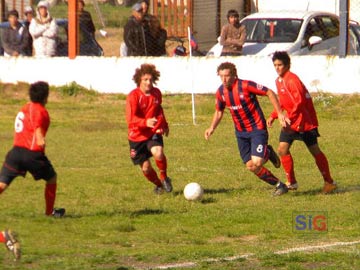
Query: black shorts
(141, 151)
(308, 137)
(21, 160)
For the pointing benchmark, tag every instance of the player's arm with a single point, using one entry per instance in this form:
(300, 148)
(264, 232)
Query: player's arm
(214, 123)
(40, 138)
(275, 102)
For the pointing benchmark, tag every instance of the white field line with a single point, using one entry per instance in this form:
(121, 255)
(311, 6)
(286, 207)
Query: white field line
(245, 256)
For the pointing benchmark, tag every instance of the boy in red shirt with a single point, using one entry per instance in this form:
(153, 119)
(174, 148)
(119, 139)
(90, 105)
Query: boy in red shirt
(295, 99)
(146, 127)
(28, 152)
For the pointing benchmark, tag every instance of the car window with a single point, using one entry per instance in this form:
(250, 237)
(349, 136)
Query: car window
(272, 30)
(354, 37)
(321, 26)
(331, 26)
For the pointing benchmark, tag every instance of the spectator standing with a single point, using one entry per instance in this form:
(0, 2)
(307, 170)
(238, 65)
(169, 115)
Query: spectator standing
(29, 15)
(156, 38)
(85, 19)
(134, 35)
(15, 38)
(233, 35)
(44, 31)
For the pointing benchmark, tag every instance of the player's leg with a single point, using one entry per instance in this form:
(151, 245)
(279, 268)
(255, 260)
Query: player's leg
(161, 163)
(9, 238)
(310, 139)
(285, 141)
(11, 169)
(140, 154)
(156, 147)
(40, 167)
(151, 175)
(252, 148)
(3, 186)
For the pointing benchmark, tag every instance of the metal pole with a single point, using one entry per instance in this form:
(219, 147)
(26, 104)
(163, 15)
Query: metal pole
(343, 28)
(192, 80)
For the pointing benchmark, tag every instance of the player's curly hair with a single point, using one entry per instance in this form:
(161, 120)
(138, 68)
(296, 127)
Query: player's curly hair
(146, 69)
(228, 65)
(39, 92)
(283, 57)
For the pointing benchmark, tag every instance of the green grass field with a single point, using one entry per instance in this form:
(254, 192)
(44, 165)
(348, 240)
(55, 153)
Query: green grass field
(114, 221)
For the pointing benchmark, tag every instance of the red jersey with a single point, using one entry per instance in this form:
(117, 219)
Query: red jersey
(296, 100)
(31, 116)
(242, 102)
(139, 108)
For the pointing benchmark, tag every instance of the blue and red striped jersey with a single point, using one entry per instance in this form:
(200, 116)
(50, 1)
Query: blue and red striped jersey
(243, 104)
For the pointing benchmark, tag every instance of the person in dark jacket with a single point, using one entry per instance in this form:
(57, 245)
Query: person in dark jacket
(156, 38)
(29, 15)
(15, 38)
(134, 35)
(85, 19)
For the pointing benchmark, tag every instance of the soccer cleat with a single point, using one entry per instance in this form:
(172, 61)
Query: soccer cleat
(280, 189)
(273, 157)
(166, 184)
(158, 190)
(291, 186)
(12, 244)
(58, 212)
(329, 187)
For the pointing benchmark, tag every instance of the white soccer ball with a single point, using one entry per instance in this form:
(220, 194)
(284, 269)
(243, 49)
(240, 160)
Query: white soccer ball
(193, 192)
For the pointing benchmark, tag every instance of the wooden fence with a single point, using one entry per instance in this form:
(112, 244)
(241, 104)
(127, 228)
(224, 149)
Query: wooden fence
(175, 15)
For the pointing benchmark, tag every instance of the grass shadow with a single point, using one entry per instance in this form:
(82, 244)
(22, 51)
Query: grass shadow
(318, 191)
(147, 211)
(219, 191)
(208, 200)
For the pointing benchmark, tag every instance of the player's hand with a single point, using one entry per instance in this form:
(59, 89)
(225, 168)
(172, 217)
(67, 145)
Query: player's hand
(166, 131)
(208, 133)
(270, 121)
(41, 142)
(150, 122)
(284, 121)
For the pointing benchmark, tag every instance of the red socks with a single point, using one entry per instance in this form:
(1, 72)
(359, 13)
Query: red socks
(2, 238)
(50, 194)
(288, 165)
(265, 175)
(152, 177)
(323, 165)
(162, 165)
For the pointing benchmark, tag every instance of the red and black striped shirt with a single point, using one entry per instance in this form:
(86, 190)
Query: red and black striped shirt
(243, 104)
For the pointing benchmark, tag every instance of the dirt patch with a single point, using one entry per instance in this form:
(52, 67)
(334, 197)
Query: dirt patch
(14, 91)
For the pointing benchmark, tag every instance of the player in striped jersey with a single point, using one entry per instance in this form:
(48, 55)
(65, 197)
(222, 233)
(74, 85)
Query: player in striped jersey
(239, 96)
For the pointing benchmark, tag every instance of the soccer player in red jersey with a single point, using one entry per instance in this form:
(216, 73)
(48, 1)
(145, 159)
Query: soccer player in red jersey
(296, 101)
(28, 152)
(239, 96)
(146, 126)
